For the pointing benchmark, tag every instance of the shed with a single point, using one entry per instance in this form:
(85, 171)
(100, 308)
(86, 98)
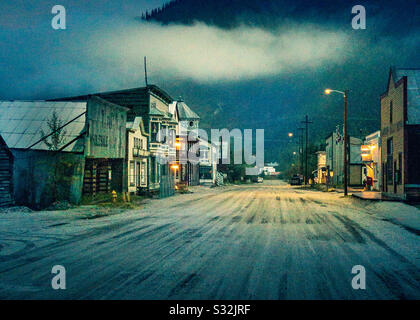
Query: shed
(6, 174)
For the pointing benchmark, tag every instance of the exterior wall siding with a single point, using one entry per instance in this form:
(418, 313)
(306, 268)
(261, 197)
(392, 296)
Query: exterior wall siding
(394, 129)
(6, 174)
(34, 176)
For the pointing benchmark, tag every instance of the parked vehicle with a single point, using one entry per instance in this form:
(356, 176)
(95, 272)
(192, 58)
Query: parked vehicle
(295, 181)
(257, 179)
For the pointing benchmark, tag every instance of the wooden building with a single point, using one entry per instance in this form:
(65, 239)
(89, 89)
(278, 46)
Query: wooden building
(152, 104)
(137, 156)
(87, 158)
(187, 139)
(371, 157)
(6, 175)
(334, 150)
(208, 162)
(400, 134)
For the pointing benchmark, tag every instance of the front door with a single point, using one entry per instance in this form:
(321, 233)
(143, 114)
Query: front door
(138, 174)
(395, 177)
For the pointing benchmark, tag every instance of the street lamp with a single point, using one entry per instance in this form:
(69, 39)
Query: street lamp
(344, 93)
(290, 134)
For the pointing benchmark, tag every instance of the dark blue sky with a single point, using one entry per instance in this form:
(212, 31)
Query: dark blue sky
(244, 77)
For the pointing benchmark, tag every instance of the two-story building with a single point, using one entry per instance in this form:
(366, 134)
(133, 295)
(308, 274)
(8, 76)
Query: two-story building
(371, 157)
(137, 156)
(334, 149)
(400, 134)
(187, 139)
(321, 170)
(207, 163)
(152, 104)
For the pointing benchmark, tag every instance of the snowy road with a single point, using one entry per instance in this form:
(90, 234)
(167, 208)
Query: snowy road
(265, 241)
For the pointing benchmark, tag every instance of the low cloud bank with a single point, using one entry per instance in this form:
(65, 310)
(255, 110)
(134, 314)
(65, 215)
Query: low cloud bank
(206, 54)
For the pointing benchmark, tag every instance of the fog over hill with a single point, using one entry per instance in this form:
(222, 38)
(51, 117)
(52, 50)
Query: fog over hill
(248, 64)
(330, 54)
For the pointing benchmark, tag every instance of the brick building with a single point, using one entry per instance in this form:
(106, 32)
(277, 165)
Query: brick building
(400, 131)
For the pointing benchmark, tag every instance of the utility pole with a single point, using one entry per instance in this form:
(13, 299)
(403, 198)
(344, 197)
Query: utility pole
(306, 122)
(301, 149)
(145, 70)
(345, 144)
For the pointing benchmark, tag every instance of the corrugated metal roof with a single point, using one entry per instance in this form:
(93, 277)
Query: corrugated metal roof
(185, 113)
(413, 92)
(21, 122)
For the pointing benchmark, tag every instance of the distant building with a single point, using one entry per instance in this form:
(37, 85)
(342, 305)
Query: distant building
(400, 131)
(269, 170)
(321, 171)
(371, 157)
(208, 162)
(335, 159)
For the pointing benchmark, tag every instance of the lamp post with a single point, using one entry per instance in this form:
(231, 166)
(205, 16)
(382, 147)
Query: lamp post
(345, 166)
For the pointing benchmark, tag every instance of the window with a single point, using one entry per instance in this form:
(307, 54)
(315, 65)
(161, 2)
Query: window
(132, 173)
(155, 129)
(164, 134)
(390, 112)
(153, 169)
(399, 181)
(143, 172)
(389, 160)
(389, 147)
(171, 137)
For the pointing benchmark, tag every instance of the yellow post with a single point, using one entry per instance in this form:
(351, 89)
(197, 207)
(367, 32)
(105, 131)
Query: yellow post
(114, 196)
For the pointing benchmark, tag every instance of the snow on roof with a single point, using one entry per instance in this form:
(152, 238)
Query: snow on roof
(21, 122)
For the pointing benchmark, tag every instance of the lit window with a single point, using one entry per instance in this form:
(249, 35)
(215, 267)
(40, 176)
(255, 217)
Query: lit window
(132, 173)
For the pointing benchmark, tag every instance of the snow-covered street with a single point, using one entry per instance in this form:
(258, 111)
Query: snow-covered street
(261, 241)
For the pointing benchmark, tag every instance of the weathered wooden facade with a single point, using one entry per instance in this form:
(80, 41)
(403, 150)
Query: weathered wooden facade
(6, 174)
(105, 147)
(400, 134)
(90, 157)
(137, 156)
(334, 148)
(152, 104)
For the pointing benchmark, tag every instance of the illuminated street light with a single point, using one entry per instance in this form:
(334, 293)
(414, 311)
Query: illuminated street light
(290, 134)
(345, 167)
